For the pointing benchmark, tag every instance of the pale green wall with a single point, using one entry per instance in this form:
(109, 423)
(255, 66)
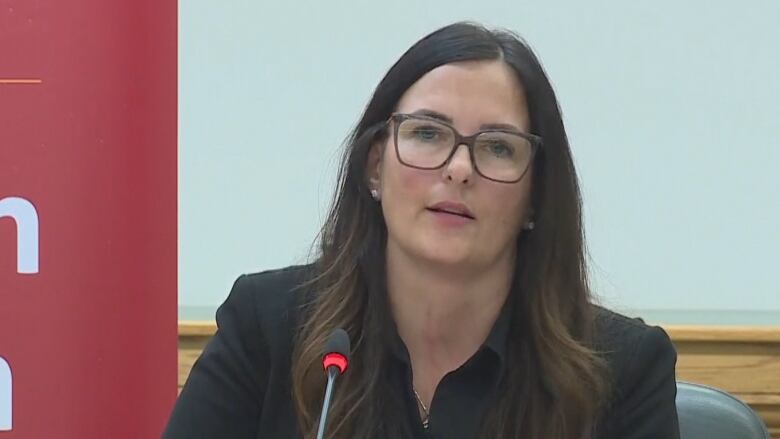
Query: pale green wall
(672, 109)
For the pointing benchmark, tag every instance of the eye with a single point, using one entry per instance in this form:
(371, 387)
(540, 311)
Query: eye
(500, 149)
(427, 133)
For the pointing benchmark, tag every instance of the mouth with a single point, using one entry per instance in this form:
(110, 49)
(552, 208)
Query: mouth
(460, 213)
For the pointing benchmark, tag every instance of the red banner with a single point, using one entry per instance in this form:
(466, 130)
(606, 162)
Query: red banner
(88, 202)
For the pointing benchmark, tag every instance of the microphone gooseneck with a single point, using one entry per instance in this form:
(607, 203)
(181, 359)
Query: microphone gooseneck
(335, 362)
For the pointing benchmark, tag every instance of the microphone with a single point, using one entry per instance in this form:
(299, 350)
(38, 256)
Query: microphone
(335, 362)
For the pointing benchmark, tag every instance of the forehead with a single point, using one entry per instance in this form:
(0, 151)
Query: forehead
(471, 93)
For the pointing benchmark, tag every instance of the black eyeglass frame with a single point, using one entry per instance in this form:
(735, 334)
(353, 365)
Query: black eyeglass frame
(398, 118)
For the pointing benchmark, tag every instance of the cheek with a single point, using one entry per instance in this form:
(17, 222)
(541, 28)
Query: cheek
(405, 186)
(509, 206)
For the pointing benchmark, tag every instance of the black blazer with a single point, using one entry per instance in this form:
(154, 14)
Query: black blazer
(240, 386)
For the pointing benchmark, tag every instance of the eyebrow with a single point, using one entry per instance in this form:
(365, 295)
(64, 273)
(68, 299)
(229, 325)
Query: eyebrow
(444, 118)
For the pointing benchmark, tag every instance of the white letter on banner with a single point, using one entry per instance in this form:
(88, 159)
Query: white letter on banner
(26, 217)
(5, 396)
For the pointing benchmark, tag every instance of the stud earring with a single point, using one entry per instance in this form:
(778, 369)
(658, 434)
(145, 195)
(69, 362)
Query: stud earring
(529, 225)
(375, 194)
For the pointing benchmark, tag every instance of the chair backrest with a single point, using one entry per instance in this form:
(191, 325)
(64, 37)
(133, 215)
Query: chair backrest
(708, 413)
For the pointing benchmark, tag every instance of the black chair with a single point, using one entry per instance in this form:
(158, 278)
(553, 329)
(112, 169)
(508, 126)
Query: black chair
(708, 413)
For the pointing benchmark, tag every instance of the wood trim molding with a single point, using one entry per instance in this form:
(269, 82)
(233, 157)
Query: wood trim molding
(738, 334)
(678, 333)
(197, 328)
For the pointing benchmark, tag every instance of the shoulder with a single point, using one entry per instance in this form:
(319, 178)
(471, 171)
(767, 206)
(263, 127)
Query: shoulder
(641, 362)
(273, 288)
(616, 332)
(245, 363)
(270, 295)
(621, 340)
(278, 279)
(263, 304)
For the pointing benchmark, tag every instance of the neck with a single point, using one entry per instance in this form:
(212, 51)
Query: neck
(444, 314)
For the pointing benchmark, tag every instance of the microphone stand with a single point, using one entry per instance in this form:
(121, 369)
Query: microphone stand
(333, 373)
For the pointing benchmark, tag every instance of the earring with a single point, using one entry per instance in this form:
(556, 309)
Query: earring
(375, 194)
(529, 226)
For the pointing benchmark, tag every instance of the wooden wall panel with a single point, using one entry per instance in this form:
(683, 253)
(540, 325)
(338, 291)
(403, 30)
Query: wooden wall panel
(734, 367)
(744, 361)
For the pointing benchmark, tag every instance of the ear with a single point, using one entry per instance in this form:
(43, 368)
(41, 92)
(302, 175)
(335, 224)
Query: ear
(530, 219)
(374, 165)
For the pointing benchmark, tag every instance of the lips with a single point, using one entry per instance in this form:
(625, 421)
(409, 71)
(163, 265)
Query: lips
(452, 208)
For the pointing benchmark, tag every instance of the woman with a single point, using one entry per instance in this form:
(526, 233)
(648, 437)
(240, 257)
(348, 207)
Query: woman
(454, 257)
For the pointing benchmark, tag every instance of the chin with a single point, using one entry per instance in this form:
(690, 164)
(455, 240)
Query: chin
(430, 250)
(446, 254)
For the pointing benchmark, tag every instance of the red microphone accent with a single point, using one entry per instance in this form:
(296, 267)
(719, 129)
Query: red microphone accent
(335, 359)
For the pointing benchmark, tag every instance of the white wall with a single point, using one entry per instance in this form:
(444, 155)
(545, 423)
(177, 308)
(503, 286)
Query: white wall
(672, 108)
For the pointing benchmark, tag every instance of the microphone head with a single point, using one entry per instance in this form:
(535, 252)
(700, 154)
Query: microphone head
(337, 351)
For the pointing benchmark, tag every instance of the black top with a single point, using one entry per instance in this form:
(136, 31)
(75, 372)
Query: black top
(240, 387)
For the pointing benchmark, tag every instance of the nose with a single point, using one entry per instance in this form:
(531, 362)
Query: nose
(460, 169)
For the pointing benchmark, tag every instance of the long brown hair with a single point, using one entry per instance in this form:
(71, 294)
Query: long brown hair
(555, 383)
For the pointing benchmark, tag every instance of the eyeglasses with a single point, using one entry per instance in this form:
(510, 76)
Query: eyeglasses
(424, 142)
